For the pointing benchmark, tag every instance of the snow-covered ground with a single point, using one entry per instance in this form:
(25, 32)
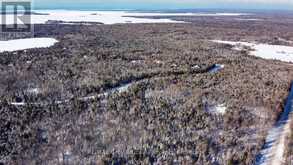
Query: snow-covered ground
(109, 17)
(248, 19)
(29, 43)
(186, 14)
(277, 52)
(216, 109)
(33, 91)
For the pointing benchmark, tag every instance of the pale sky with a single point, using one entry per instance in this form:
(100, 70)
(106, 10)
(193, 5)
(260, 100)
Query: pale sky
(165, 4)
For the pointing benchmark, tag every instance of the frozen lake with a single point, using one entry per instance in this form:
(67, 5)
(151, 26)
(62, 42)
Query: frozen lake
(28, 43)
(110, 17)
(266, 51)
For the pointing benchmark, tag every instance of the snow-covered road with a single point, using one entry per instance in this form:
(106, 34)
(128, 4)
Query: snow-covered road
(123, 87)
(273, 150)
(119, 89)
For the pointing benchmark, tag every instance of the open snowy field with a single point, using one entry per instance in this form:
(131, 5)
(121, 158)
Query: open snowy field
(22, 44)
(266, 51)
(110, 17)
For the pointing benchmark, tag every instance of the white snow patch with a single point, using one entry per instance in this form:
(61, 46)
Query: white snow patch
(231, 14)
(186, 14)
(107, 17)
(216, 109)
(120, 89)
(159, 62)
(284, 40)
(195, 67)
(75, 23)
(275, 52)
(33, 91)
(29, 43)
(248, 19)
(136, 61)
(18, 104)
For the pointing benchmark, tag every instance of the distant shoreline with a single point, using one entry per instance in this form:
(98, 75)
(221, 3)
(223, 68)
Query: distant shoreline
(174, 10)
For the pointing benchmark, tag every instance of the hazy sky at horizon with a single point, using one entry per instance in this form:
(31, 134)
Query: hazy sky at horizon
(164, 4)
